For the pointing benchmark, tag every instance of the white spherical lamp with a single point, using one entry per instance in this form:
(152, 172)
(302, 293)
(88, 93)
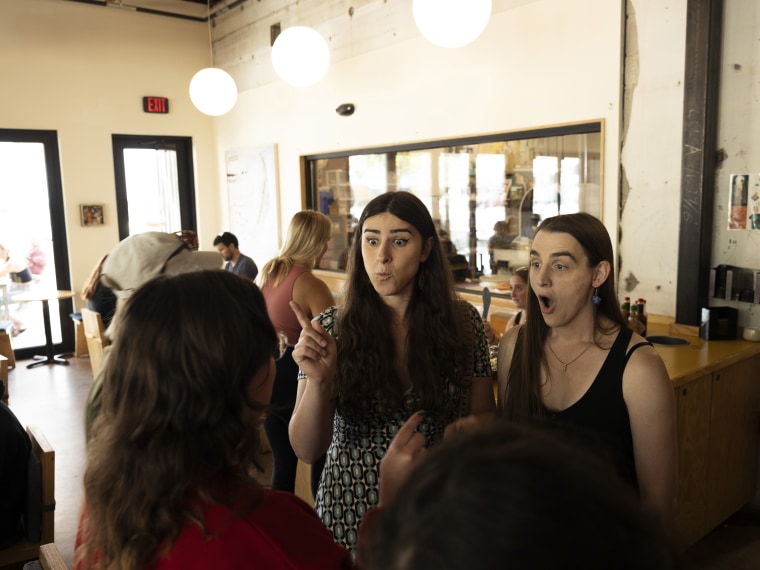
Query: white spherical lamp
(213, 91)
(300, 56)
(451, 23)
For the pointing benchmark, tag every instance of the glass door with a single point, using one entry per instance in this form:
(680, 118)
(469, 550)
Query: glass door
(33, 257)
(154, 184)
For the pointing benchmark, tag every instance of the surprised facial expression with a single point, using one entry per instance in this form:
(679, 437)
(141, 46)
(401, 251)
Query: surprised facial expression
(392, 250)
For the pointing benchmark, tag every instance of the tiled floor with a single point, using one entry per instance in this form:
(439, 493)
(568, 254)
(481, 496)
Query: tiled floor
(52, 397)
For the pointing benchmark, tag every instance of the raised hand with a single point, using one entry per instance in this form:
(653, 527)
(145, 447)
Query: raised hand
(404, 453)
(315, 352)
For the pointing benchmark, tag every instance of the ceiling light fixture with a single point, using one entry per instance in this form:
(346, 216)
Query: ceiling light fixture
(451, 23)
(212, 90)
(300, 56)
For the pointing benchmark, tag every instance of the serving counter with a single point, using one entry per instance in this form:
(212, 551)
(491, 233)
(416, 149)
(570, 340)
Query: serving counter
(717, 389)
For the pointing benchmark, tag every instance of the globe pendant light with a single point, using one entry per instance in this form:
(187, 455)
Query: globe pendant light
(451, 23)
(300, 56)
(212, 90)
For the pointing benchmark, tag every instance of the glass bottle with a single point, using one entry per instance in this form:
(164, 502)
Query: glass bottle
(633, 320)
(642, 315)
(625, 308)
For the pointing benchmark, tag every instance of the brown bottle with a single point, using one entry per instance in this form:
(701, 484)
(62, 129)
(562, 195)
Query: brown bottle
(625, 308)
(642, 315)
(633, 320)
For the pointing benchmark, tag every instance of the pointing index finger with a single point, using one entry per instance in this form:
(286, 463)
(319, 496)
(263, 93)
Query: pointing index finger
(303, 318)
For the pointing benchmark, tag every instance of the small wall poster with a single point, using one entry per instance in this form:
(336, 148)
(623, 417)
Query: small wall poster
(737, 207)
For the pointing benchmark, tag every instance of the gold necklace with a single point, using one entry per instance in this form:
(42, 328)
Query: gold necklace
(566, 364)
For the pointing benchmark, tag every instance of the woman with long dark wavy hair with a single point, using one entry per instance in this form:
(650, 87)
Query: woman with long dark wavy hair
(576, 362)
(399, 342)
(169, 479)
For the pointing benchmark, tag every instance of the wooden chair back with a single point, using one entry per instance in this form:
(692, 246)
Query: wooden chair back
(40, 511)
(50, 558)
(6, 349)
(94, 332)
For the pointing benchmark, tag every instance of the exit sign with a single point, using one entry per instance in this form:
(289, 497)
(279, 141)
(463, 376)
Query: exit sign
(155, 104)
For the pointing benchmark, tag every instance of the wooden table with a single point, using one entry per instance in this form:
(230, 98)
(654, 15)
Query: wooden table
(45, 296)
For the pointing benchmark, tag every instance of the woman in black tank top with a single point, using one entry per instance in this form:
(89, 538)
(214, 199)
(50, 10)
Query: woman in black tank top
(575, 362)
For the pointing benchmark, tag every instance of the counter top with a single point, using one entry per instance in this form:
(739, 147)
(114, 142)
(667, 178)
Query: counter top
(688, 362)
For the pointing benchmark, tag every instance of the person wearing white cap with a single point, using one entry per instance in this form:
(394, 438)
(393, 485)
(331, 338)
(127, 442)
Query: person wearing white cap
(135, 261)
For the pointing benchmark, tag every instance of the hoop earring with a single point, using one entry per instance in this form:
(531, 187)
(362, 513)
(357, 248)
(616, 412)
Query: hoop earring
(595, 298)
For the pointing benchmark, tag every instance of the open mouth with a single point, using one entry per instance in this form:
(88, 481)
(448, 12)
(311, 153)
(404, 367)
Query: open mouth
(546, 303)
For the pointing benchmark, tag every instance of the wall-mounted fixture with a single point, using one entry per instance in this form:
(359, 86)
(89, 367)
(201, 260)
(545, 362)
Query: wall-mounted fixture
(212, 90)
(451, 23)
(345, 109)
(300, 56)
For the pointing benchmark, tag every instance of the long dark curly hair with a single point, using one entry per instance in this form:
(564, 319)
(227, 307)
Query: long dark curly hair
(523, 400)
(366, 353)
(177, 427)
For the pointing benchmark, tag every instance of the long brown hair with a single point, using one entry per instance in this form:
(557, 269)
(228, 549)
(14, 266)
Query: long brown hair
(91, 285)
(366, 352)
(523, 397)
(176, 420)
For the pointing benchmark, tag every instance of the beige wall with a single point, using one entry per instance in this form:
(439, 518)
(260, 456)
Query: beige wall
(526, 70)
(82, 71)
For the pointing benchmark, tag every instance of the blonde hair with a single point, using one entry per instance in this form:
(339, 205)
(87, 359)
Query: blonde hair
(307, 234)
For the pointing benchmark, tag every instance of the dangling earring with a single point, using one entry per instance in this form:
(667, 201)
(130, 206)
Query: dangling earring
(595, 298)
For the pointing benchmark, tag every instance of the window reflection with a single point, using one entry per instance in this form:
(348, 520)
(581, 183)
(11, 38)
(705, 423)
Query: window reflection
(486, 194)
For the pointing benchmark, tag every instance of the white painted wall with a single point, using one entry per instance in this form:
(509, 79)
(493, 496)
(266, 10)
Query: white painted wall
(739, 137)
(651, 152)
(82, 71)
(538, 63)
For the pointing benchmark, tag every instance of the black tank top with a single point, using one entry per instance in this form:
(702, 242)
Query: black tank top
(601, 416)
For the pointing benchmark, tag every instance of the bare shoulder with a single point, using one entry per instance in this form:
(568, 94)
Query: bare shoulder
(645, 371)
(310, 291)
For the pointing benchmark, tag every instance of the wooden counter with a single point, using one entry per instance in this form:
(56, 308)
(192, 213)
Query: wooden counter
(717, 389)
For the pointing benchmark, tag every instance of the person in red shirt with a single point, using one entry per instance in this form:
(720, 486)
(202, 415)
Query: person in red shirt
(169, 478)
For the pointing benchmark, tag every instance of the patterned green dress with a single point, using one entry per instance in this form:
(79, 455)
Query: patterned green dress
(349, 484)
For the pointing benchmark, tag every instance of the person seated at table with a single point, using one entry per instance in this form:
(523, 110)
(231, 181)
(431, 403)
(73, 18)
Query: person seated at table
(14, 457)
(169, 479)
(508, 496)
(21, 277)
(501, 239)
(100, 298)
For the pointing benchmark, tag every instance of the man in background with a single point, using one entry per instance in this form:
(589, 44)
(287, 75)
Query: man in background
(227, 246)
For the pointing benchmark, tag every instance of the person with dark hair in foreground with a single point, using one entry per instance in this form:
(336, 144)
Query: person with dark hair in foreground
(509, 496)
(169, 479)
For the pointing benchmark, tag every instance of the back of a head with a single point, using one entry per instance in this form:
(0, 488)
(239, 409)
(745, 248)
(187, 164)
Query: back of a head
(307, 234)
(169, 356)
(507, 496)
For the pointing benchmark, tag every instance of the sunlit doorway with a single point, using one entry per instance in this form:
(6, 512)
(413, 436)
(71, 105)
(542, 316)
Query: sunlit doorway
(154, 184)
(33, 230)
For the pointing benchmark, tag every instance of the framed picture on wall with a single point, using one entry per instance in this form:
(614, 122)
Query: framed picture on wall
(91, 214)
